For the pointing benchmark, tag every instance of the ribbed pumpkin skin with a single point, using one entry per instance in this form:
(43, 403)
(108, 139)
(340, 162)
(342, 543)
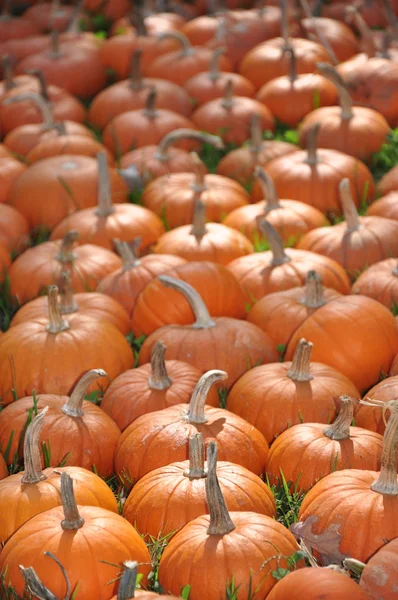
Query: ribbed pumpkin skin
(108, 536)
(342, 333)
(316, 584)
(164, 500)
(371, 417)
(386, 206)
(158, 305)
(365, 519)
(379, 282)
(380, 577)
(209, 562)
(10, 170)
(129, 395)
(305, 455)
(14, 228)
(20, 502)
(272, 402)
(160, 438)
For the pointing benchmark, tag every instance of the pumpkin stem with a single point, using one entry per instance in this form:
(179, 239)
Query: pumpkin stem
(6, 10)
(42, 83)
(74, 22)
(354, 16)
(56, 323)
(198, 185)
(268, 189)
(8, 75)
(228, 98)
(220, 521)
(37, 588)
(73, 407)
(300, 367)
(31, 450)
(159, 379)
(196, 458)
(284, 26)
(314, 296)
(67, 304)
(347, 203)
(345, 99)
(340, 429)
(135, 79)
(256, 136)
(180, 134)
(279, 256)
(104, 208)
(66, 254)
(312, 158)
(214, 67)
(196, 412)
(391, 17)
(150, 107)
(138, 21)
(198, 229)
(292, 65)
(73, 520)
(198, 307)
(387, 483)
(128, 253)
(128, 581)
(41, 104)
(186, 48)
(54, 45)
(318, 35)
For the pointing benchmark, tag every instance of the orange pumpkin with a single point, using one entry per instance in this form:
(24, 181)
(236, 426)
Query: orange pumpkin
(46, 18)
(67, 531)
(369, 416)
(10, 170)
(337, 37)
(386, 206)
(5, 261)
(389, 182)
(157, 305)
(207, 342)
(29, 351)
(14, 229)
(384, 562)
(70, 144)
(380, 281)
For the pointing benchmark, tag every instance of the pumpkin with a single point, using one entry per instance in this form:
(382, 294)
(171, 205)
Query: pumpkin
(290, 218)
(3, 468)
(29, 353)
(140, 449)
(67, 531)
(333, 448)
(158, 305)
(70, 181)
(5, 262)
(355, 130)
(230, 116)
(210, 85)
(292, 97)
(357, 242)
(127, 585)
(126, 283)
(389, 182)
(207, 342)
(67, 144)
(173, 196)
(42, 265)
(168, 498)
(10, 170)
(343, 329)
(224, 549)
(32, 491)
(276, 396)
(379, 577)
(379, 281)
(151, 162)
(283, 268)
(132, 94)
(14, 27)
(386, 206)
(369, 416)
(279, 314)
(239, 164)
(91, 304)
(312, 176)
(102, 224)
(316, 584)
(47, 17)
(144, 127)
(14, 229)
(152, 386)
(374, 512)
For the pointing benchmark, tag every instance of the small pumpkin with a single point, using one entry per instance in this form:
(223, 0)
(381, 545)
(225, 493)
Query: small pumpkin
(386, 206)
(379, 281)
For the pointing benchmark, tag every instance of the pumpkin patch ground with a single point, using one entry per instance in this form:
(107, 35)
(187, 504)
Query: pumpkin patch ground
(198, 300)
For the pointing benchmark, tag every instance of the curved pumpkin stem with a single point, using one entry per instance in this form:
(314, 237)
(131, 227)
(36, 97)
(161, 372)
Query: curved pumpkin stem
(214, 67)
(279, 256)
(348, 206)
(104, 208)
(220, 521)
(41, 104)
(73, 407)
(42, 83)
(128, 581)
(56, 323)
(203, 319)
(199, 184)
(66, 254)
(198, 228)
(196, 458)
(387, 483)
(181, 134)
(196, 413)
(37, 588)
(186, 48)
(312, 158)
(73, 520)
(159, 379)
(67, 304)
(300, 367)
(33, 472)
(314, 296)
(340, 429)
(135, 79)
(268, 189)
(228, 98)
(345, 99)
